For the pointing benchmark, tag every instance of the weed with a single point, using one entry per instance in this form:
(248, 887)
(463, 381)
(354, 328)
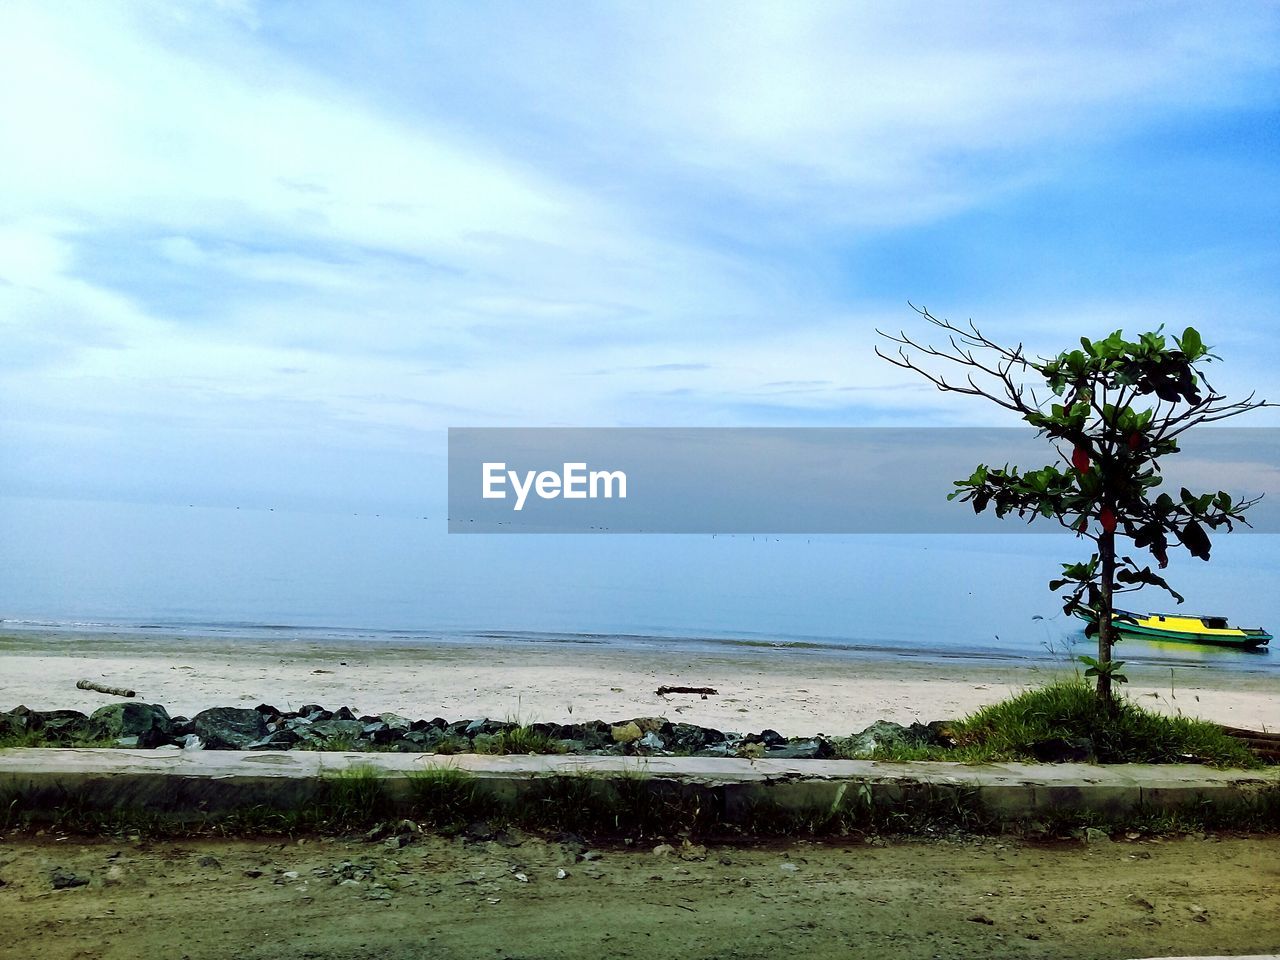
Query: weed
(1012, 729)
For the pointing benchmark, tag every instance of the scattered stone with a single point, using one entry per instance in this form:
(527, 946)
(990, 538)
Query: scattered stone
(693, 851)
(523, 878)
(192, 742)
(626, 733)
(818, 748)
(981, 918)
(788, 868)
(210, 861)
(60, 726)
(253, 874)
(229, 728)
(1198, 913)
(884, 734)
(663, 850)
(561, 874)
(64, 879)
(114, 875)
(149, 722)
(1095, 835)
(651, 741)
(587, 856)
(480, 830)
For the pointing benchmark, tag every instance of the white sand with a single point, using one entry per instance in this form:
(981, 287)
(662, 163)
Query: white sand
(796, 693)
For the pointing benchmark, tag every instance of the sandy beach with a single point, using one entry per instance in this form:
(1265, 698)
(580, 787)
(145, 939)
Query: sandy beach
(796, 693)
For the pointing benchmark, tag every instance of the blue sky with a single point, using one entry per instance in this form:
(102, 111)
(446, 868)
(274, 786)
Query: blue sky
(267, 253)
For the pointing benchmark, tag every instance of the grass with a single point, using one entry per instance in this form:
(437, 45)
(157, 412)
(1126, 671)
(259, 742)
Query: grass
(1068, 709)
(634, 806)
(521, 739)
(37, 738)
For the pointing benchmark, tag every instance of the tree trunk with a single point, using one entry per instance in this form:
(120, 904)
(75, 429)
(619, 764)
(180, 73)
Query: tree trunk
(1107, 554)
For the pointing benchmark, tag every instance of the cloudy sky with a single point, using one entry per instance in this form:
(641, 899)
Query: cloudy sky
(266, 253)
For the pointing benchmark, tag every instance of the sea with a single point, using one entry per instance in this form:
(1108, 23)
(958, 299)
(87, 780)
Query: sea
(177, 570)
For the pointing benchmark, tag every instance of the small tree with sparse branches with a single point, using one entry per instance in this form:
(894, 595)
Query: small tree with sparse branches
(1112, 409)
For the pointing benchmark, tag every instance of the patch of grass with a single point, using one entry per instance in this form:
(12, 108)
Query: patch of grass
(633, 804)
(39, 738)
(452, 745)
(447, 798)
(855, 810)
(521, 739)
(353, 798)
(1068, 710)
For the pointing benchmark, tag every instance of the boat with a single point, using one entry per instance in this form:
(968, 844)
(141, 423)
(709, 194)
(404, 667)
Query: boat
(1180, 628)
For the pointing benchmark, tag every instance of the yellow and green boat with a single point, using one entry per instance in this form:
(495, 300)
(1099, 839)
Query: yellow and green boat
(1181, 628)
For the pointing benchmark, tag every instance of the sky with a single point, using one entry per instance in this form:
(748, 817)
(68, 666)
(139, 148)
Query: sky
(265, 254)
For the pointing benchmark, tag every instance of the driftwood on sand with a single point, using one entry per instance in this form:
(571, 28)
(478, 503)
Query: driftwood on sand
(102, 688)
(704, 691)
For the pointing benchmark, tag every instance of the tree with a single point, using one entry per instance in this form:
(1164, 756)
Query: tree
(1112, 409)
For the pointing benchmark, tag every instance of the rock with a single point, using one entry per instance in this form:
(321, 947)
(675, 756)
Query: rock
(650, 724)
(688, 737)
(335, 728)
(281, 739)
(1094, 835)
(65, 879)
(149, 722)
(16, 722)
(626, 733)
(114, 875)
(816, 749)
(229, 728)
(663, 850)
(881, 735)
(60, 726)
(480, 830)
(192, 742)
(396, 722)
(561, 874)
(983, 919)
(788, 868)
(717, 750)
(210, 861)
(651, 741)
(692, 851)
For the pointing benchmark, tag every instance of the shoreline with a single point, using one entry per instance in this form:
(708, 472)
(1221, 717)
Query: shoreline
(796, 692)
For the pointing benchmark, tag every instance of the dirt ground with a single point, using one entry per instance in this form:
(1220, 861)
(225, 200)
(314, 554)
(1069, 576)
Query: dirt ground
(325, 899)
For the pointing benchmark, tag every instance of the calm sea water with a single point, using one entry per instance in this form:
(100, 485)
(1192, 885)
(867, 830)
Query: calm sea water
(224, 571)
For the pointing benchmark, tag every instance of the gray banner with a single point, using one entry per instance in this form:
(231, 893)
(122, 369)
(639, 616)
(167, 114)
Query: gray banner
(788, 480)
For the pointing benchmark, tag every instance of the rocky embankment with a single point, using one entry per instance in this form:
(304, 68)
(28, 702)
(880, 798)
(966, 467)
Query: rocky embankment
(312, 727)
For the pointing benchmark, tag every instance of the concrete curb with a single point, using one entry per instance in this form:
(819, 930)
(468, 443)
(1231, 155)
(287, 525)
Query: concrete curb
(196, 783)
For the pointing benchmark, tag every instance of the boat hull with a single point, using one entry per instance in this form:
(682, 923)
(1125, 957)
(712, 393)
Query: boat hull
(1239, 639)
